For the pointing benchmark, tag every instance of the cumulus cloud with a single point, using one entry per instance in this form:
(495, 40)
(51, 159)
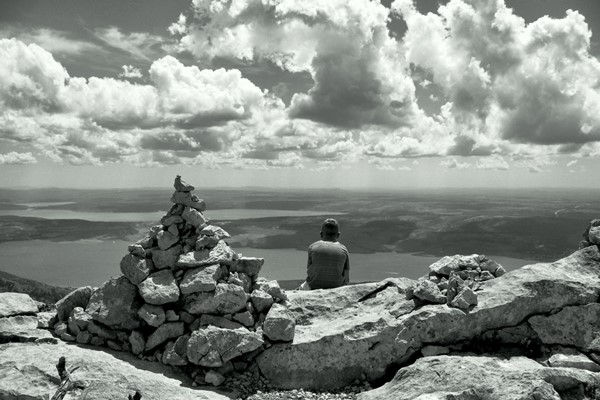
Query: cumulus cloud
(141, 45)
(129, 71)
(453, 163)
(492, 162)
(52, 40)
(17, 158)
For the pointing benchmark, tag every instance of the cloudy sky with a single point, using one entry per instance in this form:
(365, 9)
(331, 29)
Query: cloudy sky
(296, 93)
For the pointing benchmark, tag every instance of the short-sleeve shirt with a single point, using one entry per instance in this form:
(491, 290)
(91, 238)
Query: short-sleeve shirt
(327, 262)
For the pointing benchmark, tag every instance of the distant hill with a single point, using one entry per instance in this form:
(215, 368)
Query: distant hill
(38, 291)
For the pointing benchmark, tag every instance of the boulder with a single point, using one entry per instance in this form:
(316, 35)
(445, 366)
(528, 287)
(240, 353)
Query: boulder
(280, 324)
(28, 371)
(464, 299)
(77, 298)
(212, 347)
(21, 328)
(206, 242)
(261, 300)
(188, 200)
(579, 361)
(166, 331)
(115, 304)
(226, 299)
(350, 338)
(445, 265)
(159, 288)
(16, 304)
(456, 377)
(153, 315)
(271, 287)
(134, 268)
(194, 217)
(176, 352)
(220, 254)
(594, 235)
(577, 326)
(46, 319)
(215, 231)
(80, 319)
(250, 266)
(166, 239)
(166, 258)
(201, 279)
(428, 292)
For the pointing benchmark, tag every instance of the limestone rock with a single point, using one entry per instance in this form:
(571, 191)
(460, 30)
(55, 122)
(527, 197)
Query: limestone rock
(429, 351)
(194, 217)
(137, 342)
(166, 331)
(206, 242)
(83, 337)
(279, 324)
(201, 279)
(594, 235)
(465, 299)
(28, 371)
(134, 268)
(101, 331)
(226, 299)
(176, 352)
(261, 300)
(220, 254)
(21, 328)
(579, 361)
(455, 377)
(146, 243)
(245, 318)
(166, 258)
(272, 288)
(115, 304)
(212, 347)
(166, 239)
(16, 304)
(171, 316)
(80, 319)
(77, 298)
(445, 265)
(215, 231)
(46, 319)
(153, 315)
(218, 321)
(136, 250)
(429, 292)
(169, 220)
(159, 288)
(189, 200)
(577, 326)
(250, 266)
(182, 186)
(214, 378)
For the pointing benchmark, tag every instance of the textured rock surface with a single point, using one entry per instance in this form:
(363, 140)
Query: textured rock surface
(226, 299)
(77, 298)
(115, 304)
(166, 331)
(159, 288)
(579, 361)
(471, 378)
(351, 338)
(153, 315)
(16, 304)
(250, 266)
(166, 258)
(134, 268)
(220, 254)
(212, 347)
(429, 292)
(28, 371)
(279, 324)
(202, 279)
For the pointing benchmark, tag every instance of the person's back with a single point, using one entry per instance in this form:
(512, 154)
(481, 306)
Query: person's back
(328, 260)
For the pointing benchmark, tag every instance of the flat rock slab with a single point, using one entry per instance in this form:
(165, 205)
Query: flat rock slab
(21, 328)
(28, 371)
(488, 378)
(220, 254)
(16, 304)
(212, 346)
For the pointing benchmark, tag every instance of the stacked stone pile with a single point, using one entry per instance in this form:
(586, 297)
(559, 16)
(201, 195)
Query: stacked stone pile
(185, 299)
(453, 280)
(591, 236)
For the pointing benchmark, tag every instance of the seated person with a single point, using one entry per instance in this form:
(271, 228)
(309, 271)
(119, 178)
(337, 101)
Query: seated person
(328, 260)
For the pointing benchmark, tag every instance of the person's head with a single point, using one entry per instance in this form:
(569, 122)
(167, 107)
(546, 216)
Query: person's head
(330, 230)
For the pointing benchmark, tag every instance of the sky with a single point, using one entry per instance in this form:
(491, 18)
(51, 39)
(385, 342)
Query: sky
(299, 94)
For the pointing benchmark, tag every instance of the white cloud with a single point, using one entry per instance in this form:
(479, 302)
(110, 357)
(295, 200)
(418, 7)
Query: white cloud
(52, 40)
(492, 162)
(129, 71)
(453, 163)
(17, 158)
(141, 45)
(571, 163)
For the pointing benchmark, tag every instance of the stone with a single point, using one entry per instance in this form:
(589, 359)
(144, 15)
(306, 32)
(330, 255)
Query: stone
(137, 250)
(22, 328)
(250, 266)
(166, 331)
(181, 186)
(261, 300)
(67, 337)
(429, 292)
(146, 243)
(220, 254)
(464, 299)
(470, 261)
(486, 276)
(215, 231)
(137, 342)
(201, 279)
(226, 299)
(153, 315)
(169, 220)
(20, 323)
(186, 317)
(134, 268)
(28, 371)
(594, 235)
(194, 218)
(46, 319)
(166, 240)
(115, 304)
(97, 341)
(430, 351)
(79, 320)
(280, 324)
(470, 378)
(173, 230)
(218, 321)
(272, 288)
(16, 304)
(77, 298)
(212, 346)
(166, 258)
(176, 352)
(206, 242)
(114, 345)
(579, 361)
(245, 318)
(188, 200)
(159, 288)
(101, 331)
(83, 337)
(446, 265)
(577, 326)
(172, 316)
(499, 272)
(214, 378)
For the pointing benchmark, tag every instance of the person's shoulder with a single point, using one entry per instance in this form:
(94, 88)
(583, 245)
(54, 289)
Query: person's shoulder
(315, 244)
(342, 247)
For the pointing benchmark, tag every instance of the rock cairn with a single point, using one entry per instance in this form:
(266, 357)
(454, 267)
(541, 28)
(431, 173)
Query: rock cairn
(591, 236)
(184, 298)
(453, 280)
